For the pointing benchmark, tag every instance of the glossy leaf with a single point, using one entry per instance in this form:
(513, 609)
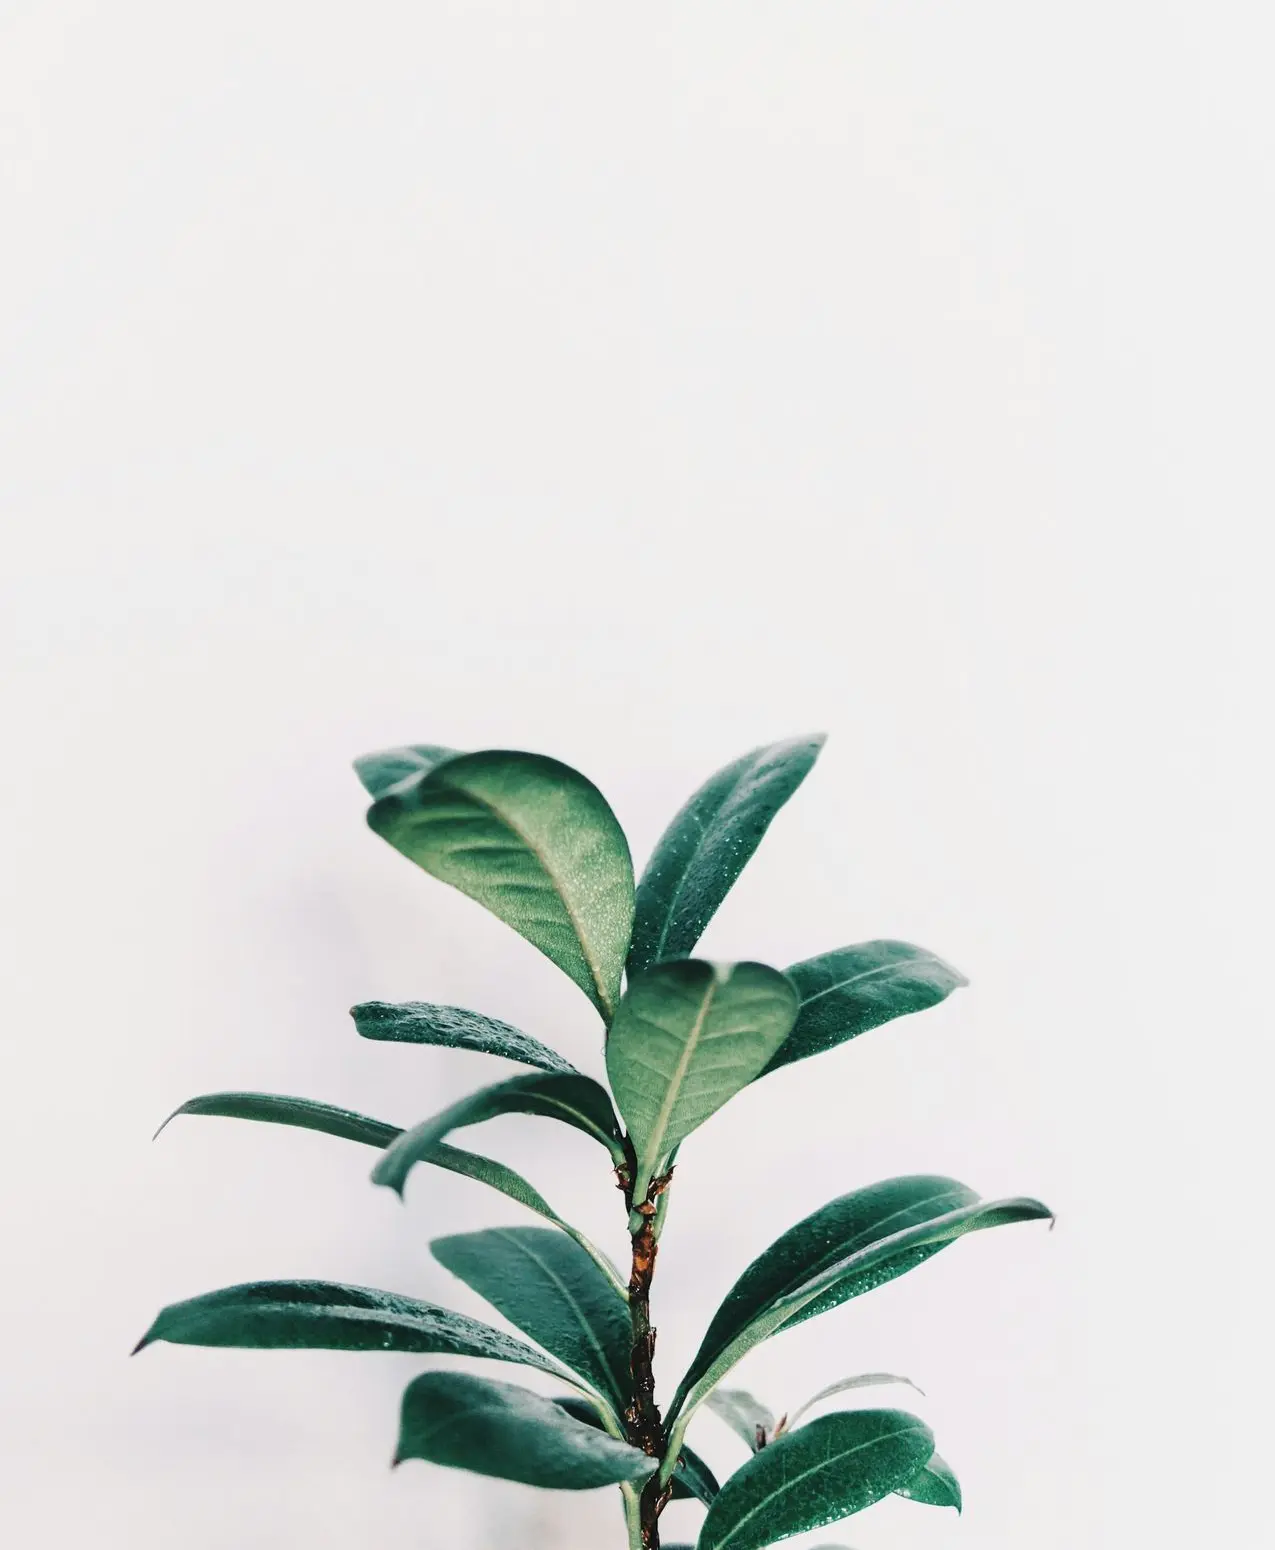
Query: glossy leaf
(500, 1429)
(745, 1416)
(687, 1037)
(380, 772)
(692, 1479)
(329, 1316)
(455, 1027)
(576, 1100)
(534, 842)
(935, 1485)
(846, 992)
(707, 846)
(863, 1380)
(828, 1470)
(548, 1287)
(848, 1247)
(305, 1113)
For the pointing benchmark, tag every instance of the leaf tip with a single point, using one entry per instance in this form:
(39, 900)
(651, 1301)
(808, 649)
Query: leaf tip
(141, 1344)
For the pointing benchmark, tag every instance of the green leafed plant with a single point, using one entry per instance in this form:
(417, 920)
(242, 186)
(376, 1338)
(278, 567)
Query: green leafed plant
(538, 845)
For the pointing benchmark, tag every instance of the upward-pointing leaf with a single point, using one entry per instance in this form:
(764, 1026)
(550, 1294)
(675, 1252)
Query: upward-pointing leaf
(687, 1037)
(850, 1246)
(576, 1100)
(308, 1115)
(707, 846)
(417, 1022)
(329, 1316)
(747, 1417)
(836, 1466)
(533, 841)
(380, 771)
(846, 992)
(862, 1380)
(550, 1288)
(502, 1430)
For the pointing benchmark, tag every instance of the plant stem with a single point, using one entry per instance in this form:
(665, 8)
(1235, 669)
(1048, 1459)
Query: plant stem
(646, 1429)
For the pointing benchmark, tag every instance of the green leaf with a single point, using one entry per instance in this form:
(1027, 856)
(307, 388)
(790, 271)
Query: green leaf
(305, 1113)
(308, 1115)
(862, 1380)
(535, 843)
(745, 1416)
(687, 1037)
(500, 1429)
(550, 1288)
(846, 992)
(853, 1244)
(328, 1316)
(692, 1479)
(935, 1485)
(707, 846)
(832, 1468)
(379, 772)
(576, 1100)
(416, 1022)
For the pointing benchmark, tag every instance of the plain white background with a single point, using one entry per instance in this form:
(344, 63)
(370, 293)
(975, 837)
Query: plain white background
(638, 384)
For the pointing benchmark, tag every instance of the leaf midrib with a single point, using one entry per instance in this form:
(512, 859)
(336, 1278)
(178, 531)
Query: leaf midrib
(693, 856)
(867, 974)
(795, 1480)
(569, 1297)
(589, 960)
(652, 1151)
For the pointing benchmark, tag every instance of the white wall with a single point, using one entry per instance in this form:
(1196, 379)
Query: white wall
(637, 384)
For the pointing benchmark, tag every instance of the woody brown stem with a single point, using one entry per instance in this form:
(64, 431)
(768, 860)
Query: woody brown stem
(645, 1427)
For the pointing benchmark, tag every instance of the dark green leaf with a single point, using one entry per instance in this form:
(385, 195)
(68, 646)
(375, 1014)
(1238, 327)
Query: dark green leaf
(836, 1466)
(309, 1115)
(848, 1247)
(747, 1417)
(576, 1100)
(846, 992)
(549, 1287)
(327, 1316)
(305, 1113)
(707, 846)
(692, 1480)
(935, 1485)
(416, 1022)
(502, 1430)
(861, 1380)
(379, 772)
(686, 1038)
(533, 841)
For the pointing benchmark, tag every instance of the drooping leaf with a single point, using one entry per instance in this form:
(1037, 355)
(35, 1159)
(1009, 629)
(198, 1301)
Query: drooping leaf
(416, 1022)
(707, 846)
(500, 1429)
(746, 1416)
(305, 1113)
(848, 1247)
(379, 772)
(935, 1485)
(862, 1380)
(576, 1100)
(535, 843)
(692, 1479)
(686, 1038)
(329, 1316)
(547, 1286)
(828, 1470)
(846, 992)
